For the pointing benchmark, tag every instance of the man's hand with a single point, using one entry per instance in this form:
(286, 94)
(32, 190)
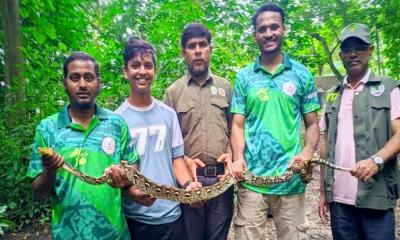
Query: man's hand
(323, 208)
(364, 169)
(301, 158)
(53, 162)
(193, 164)
(226, 159)
(118, 176)
(140, 197)
(192, 187)
(239, 166)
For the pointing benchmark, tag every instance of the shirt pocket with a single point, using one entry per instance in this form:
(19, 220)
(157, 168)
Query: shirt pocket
(188, 115)
(380, 117)
(219, 110)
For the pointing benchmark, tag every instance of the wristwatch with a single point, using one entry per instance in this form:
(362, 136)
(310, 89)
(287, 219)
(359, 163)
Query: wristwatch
(378, 160)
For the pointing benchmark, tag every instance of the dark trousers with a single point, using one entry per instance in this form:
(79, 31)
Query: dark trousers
(167, 231)
(212, 220)
(349, 222)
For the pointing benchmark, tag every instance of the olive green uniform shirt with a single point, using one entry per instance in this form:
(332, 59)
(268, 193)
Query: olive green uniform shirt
(203, 113)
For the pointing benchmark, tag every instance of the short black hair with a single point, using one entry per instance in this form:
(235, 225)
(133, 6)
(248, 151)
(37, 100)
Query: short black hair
(194, 30)
(82, 56)
(269, 7)
(136, 46)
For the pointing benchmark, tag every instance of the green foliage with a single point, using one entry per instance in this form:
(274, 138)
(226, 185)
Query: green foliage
(4, 223)
(52, 29)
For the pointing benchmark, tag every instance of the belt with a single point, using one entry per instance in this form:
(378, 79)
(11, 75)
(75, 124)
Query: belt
(210, 171)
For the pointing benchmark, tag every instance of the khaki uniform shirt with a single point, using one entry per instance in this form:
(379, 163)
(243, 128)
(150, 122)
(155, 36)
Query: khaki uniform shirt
(203, 113)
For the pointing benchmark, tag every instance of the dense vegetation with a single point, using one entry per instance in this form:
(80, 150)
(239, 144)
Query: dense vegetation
(51, 29)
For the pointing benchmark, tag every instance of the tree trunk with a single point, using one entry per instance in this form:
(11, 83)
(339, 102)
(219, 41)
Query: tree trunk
(12, 52)
(378, 49)
(328, 55)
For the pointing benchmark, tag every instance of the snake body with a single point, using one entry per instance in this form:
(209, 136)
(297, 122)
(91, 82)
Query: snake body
(181, 195)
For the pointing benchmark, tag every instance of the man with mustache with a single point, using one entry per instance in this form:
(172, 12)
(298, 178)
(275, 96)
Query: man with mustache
(201, 100)
(361, 131)
(270, 98)
(90, 139)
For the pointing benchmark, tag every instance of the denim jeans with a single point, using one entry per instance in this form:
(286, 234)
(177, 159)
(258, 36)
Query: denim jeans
(349, 222)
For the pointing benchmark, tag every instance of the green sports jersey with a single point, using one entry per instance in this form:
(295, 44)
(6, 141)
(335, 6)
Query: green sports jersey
(80, 210)
(273, 105)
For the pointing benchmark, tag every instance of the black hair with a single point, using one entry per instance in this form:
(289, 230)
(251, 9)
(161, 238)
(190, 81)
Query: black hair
(136, 46)
(82, 56)
(194, 30)
(269, 7)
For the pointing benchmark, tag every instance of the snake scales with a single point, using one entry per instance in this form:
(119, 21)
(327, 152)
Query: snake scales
(204, 193)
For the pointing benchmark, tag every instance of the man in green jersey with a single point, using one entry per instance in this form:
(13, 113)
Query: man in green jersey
(90, 139)
(270, 99)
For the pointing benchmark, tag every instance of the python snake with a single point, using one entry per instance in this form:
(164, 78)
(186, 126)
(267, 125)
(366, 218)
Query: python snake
(200, 194)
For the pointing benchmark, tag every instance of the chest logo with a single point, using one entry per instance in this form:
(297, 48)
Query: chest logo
(108, 145)
(221, 92)
(331, 97)
(289, 88)
(377, 90)
(262, 94)
(214, 90)
(80, 155)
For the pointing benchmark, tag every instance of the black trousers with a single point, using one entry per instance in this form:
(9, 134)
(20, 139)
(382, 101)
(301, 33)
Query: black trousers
(213, 219)
(167, 231)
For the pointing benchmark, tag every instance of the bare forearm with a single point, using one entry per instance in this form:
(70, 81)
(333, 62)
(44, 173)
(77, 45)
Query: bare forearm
(391, 148)
(43, 185)
(323, 154)
(311, 135)
(237, 141)
(181, 171)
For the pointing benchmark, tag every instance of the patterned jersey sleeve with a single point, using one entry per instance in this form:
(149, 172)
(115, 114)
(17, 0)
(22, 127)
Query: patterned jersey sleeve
(128, 149)
(309, 98)
(238, 101)
(177, 139)
(35, 165)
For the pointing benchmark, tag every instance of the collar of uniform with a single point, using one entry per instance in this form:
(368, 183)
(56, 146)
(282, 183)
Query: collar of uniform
(286, 63)
(189, 78)
(367, 78)
(64, 119)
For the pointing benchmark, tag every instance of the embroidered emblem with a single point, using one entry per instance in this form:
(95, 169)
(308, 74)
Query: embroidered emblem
(221, 92)
(214, 90)
(377, 90)
(312, 95)
(79, 155)
(262, 94)
(289, 88)
(331, 97)
(108, 145)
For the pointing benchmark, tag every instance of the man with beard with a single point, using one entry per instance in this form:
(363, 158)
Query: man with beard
(91, 139)
(201, 100)
(361, 131)
(270, 98)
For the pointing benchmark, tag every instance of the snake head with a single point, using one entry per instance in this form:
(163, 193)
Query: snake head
(45, 151)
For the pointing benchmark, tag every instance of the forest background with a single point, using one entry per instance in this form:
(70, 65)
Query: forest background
(36, 36)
